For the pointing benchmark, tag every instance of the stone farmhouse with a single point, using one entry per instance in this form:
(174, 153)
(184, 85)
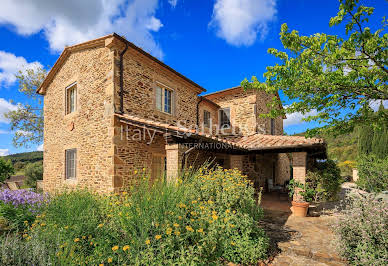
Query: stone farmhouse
(111, 109)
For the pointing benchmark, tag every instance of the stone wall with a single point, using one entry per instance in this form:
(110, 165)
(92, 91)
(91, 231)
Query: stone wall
(141, 76)
(89, 129)
(245, 109)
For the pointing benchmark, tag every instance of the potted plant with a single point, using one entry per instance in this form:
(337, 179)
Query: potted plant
(302, 195)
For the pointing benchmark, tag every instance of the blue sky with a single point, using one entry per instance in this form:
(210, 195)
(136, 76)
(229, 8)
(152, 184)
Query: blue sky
(215, 43)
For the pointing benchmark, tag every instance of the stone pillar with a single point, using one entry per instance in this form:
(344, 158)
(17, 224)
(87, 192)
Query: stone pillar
(299, 162)
(174, 155)
(236, 161)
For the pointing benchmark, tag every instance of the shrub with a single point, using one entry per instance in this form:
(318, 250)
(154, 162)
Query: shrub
(20, 207)
(6, 170)
(323, 182)
(33, 172)
(363, 231)
(373, 173)
(207, 217)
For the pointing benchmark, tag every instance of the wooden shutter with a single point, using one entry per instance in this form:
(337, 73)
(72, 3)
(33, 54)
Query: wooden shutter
(158, 98)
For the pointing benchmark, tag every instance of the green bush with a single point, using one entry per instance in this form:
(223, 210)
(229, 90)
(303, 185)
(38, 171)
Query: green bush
(207, 217)
(373, 173)
(323, 182)
(363, 231)
(6, 170)
(33, 172)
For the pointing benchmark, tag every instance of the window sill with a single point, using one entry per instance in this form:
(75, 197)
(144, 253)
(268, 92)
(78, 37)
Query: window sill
(71, 115)
(71, 181)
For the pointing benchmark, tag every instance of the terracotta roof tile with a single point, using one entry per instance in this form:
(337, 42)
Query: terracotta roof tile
(261, 141)
(252, 142)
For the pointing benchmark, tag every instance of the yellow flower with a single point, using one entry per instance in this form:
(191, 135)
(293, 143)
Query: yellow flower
(25, 235)
(169, 231)
(200, 230)
(66, 227)
(100, 225)
(215, 217)
(148, 242)
(124, 193)
(176, 225)
(76, 239)
(125, 247)
(157, 237)
(189, 228)
(83, 237)
(135, 172)
(177, 233)
(115, 248)
(102, 264)
(144, 169)
(180, 217)
(110, 260)
(232, 243)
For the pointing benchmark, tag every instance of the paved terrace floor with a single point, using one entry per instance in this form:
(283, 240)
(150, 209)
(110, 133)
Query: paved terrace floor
(297, 240)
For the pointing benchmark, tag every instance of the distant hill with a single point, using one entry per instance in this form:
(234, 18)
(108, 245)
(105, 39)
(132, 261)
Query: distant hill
(20, 160)
(27, 157)
(342, 149)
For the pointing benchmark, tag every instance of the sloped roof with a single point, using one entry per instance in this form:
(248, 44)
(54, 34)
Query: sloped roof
(166, 128)
(265, 142)
(256, 142)
(101, 42)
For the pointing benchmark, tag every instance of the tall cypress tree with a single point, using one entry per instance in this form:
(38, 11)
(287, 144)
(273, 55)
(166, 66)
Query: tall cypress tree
(365, 134)
(380, 136)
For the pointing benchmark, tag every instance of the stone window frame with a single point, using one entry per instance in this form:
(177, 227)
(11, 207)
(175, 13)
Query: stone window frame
(67, 89)
(164, 87)
(220, 118)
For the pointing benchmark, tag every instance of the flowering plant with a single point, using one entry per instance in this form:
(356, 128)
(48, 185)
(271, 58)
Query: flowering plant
(19, 207)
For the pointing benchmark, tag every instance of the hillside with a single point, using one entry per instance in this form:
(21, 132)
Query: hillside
(20, 160)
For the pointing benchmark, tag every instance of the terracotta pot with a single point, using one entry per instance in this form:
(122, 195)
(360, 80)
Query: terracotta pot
(300, 208)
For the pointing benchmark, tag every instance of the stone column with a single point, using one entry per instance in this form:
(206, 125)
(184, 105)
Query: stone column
(236, 161)
(299, 162)
(174, 155)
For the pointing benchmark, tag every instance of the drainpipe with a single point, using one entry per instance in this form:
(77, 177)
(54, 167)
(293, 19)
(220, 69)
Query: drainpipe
(200, 100)
(122, 79)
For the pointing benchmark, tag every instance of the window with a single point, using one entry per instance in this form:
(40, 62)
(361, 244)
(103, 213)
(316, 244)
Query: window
(71, 163)
(206, 118)
(164, 99)
(272, 126)
(225, 117)
(158, 166)
(71, 98)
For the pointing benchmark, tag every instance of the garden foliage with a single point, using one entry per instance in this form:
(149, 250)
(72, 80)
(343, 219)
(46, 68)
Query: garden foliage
(207, 217)
(363, 231)
(373, 173)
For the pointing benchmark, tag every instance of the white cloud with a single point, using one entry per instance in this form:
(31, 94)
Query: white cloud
(296, 118)
(40, 147)
(154, 24)
(375, 104)
(73, 21)
(5, 107)
(173, 3)
(4, 152)
(239, 22)
(10, 64)
(4, 131)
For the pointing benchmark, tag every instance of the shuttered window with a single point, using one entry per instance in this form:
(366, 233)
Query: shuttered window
(272, 126)
(206, 118)
(164, 101)
(71, 164)
(71, 98)
(158, 166)
(225, 117)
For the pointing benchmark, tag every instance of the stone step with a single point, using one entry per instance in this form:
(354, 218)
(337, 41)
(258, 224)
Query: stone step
(323, 257)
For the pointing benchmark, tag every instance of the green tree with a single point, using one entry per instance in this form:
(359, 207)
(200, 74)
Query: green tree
(27, 120)
(327, 73)
(34, 172)
(6, 170)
